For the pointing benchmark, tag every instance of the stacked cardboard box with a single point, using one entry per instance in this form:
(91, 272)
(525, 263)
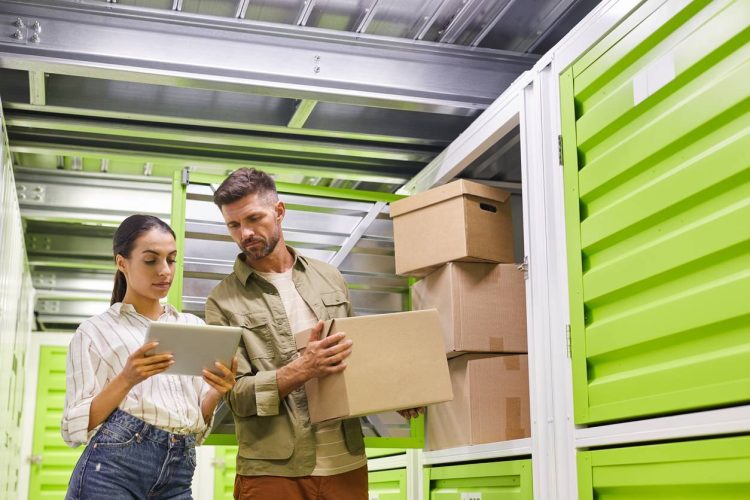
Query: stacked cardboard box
(458, 238)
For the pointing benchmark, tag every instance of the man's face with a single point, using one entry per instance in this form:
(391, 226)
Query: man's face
(254, 223)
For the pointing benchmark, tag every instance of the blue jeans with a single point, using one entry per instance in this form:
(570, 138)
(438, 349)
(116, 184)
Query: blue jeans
(128, 458)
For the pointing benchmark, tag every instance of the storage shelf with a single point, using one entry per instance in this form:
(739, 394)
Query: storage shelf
(385, 463)
(503, 449)
(724, 421)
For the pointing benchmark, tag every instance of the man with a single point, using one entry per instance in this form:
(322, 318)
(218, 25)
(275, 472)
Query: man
(273, 293)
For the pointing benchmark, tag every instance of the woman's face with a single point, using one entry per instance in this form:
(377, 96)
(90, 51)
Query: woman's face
(150, 267)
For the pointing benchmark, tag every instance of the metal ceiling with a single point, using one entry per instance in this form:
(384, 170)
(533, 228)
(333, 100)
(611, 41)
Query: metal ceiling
(352, 93)
(105, 100)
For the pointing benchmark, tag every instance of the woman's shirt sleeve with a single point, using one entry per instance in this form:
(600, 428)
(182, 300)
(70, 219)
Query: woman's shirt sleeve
(81, 387)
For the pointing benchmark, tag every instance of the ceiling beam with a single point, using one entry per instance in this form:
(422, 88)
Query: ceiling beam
(206, 164)
(233, 125)
(492, 23)
(356, 235)
(367, 16)
(87, 128)
(37, 88)
(302, 112)
(189, 50)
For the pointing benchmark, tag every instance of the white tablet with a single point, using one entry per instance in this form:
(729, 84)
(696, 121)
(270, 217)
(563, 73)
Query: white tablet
(194, 347)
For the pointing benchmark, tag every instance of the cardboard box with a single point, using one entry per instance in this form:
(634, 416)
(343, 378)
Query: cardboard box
(397, 362)
(490, 404)
(482, 307)
(461, 221)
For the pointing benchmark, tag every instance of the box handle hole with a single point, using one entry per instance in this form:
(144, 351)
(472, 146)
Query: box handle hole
(488, 207)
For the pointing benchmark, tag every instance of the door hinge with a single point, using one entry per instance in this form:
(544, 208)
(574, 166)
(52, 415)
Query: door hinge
(560, 149)
(568, 345)
(185, 179)
(524, 266)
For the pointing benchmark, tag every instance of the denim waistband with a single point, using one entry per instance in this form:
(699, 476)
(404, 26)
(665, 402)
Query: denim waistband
(148, 431)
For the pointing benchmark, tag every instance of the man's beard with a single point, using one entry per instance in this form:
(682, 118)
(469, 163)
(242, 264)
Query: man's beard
(262, 250)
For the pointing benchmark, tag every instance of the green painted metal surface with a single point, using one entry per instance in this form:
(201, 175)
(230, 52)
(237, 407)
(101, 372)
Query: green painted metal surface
(177, 218)
(225, 462)
(49, 478)
(715, 469)
(657, 180)
(308, 190)
(383, 452)
(509, 480)
(387, 484)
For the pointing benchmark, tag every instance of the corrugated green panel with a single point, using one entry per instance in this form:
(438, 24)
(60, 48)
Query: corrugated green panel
(50, 477)
(226, 467)
(489, 481)
(713, 469)
(656, 137)
(387, 485)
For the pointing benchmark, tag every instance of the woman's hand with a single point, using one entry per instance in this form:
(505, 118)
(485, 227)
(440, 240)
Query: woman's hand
(141, 366)
(223, 383)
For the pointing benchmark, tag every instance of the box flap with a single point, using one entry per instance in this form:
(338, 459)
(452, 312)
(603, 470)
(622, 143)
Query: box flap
(445, 192)
(301, 338)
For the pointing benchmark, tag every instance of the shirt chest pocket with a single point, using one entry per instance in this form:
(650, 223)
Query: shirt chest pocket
(336, 304)
(257, 335)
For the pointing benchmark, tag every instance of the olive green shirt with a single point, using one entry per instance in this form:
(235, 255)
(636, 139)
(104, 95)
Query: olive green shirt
(275, 436)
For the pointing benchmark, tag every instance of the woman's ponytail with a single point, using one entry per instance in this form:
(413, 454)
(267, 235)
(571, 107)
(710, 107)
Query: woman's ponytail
(121, 286)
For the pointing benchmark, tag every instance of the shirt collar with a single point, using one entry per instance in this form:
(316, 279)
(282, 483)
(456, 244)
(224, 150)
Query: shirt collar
(121, 308)
(244, 270)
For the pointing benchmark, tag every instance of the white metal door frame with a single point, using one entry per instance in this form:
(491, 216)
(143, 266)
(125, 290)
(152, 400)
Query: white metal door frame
(37, 340)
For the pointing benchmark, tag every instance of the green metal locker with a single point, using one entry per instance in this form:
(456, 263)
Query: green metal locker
(485, 481)
(225, 460)
(657, 177)
(53, 461)
(715, 469)
(387, 485)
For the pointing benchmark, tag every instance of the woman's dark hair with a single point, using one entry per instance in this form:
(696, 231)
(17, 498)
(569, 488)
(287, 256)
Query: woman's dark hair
(122, 244)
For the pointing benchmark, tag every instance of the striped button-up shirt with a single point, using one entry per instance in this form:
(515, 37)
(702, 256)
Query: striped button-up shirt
(99, 351)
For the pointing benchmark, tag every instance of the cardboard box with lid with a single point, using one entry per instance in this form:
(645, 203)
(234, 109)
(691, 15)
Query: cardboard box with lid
(460, 221)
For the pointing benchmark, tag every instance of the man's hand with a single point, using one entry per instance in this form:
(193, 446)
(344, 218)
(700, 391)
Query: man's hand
(321, 358)
(324, 357)
(411, 412)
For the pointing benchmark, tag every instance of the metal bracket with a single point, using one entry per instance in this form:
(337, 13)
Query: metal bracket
(568, 343)
(48, 306)
(185, 179)
(524, 266)
(44, 280)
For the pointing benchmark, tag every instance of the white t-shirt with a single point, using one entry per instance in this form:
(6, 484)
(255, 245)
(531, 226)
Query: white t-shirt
(332, 455)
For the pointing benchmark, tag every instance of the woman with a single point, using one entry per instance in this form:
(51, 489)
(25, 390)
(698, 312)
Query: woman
(141, 430)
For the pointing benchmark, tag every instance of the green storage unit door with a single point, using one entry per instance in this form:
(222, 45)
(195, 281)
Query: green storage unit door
(387, 485)
(49, 477)
(383, 452)
(225, 461)
(657, 178)
(486, 481)
(711, 469)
